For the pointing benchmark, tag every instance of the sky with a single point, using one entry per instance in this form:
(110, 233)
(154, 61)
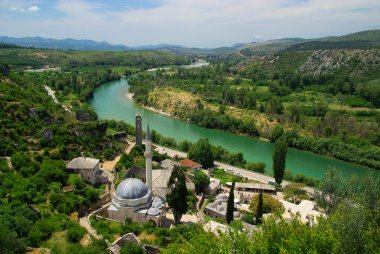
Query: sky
(195, 23)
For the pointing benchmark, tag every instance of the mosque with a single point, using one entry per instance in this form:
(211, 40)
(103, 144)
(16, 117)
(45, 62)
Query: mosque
(135, 199)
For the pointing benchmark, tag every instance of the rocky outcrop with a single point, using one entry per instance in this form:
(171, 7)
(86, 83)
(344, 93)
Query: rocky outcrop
(47, 134)
(4, 69)
(83, 116)
(356, 61)
(120, 136)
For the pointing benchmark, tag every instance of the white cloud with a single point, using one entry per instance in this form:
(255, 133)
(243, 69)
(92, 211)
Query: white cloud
(202, 23)
(33, 8)
(21, 5)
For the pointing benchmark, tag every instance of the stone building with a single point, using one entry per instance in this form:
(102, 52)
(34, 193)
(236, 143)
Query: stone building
(218, 208)
(136, 200)
(194, 166)
(89, 170)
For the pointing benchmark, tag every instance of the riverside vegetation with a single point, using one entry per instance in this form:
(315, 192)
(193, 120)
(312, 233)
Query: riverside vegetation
(38, 210)
(326, 102)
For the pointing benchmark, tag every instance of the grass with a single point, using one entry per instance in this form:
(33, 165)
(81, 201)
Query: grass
(147, 237)
(225, 177)
(110, 230)
(58, 241)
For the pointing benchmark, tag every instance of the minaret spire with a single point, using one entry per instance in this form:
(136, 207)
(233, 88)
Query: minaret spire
(148, 159)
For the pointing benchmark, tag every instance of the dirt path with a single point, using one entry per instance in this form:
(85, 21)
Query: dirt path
(110, 165)
(85, 222)
(51, 93)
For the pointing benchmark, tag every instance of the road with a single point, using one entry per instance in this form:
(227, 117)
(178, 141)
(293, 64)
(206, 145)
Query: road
(231, 169)
(51, 93)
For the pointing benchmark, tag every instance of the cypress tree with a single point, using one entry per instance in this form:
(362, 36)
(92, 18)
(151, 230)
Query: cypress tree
(259, 210)
(279, 159)
(177, 199)
(230, 205)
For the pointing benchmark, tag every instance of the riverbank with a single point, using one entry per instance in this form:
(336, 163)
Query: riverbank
(130, 97)
(323, 146)
(110, 102)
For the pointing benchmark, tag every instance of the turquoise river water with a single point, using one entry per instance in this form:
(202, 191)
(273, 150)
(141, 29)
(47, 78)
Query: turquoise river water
(110, 101)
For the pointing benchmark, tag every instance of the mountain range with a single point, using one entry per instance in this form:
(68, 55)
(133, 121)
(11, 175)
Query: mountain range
(363, 39)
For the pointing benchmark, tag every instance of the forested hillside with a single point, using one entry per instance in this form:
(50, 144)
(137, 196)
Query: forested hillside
(327, 100)
(39, 201)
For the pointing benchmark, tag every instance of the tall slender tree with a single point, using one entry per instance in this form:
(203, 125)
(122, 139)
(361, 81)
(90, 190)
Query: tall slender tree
(230, 205)
(177, 198)
(279, 158)
(260, 210)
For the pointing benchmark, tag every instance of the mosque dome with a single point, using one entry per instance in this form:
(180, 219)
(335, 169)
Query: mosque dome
(153, 211)
(131, 188)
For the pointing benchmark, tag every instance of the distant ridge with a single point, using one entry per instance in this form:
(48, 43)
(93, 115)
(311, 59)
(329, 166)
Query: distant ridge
(363, 40)
(360, 40)
(39, 42)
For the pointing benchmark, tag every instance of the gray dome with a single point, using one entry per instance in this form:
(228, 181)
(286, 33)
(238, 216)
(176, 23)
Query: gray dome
(131, 188)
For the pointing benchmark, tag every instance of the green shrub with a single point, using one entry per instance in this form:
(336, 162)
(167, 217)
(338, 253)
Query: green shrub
(258, 167)
(75, 233)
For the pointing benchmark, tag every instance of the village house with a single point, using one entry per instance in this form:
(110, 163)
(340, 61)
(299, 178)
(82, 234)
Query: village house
(214, 186)
(218, 208)
(253, 187)
(169, 164)
(194, 166)
(89, 170)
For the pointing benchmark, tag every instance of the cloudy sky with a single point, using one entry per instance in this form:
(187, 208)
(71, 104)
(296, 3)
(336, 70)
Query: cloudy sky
(199, 23)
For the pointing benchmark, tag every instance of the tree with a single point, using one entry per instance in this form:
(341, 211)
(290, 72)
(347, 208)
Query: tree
(202, 153)
(277, 132)
(201, 181)
(294, 192)
(332, 190)
(270, 204)
(259, 210)
(279, 159)
(177, 198)
(230, 205)
(257, 167)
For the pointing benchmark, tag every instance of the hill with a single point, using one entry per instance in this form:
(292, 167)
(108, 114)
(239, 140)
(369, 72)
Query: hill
(361, 40)
(39, 42)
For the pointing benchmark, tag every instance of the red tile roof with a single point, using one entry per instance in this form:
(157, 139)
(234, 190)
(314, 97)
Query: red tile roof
(189, 163)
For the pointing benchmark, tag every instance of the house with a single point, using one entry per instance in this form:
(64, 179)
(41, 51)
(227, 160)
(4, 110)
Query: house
(218, 208)
(160, 181)
(194, 166)
(215, 228)
(169, 164)
(254, 187)
(214, 186)
(161, 178)
(89, 170)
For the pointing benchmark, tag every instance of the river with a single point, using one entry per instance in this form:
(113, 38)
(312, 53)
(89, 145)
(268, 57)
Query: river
(110, 102)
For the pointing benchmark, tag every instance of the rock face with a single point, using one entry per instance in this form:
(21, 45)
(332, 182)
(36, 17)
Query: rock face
(327, 61)
(33, 113)
(4, 69)
(83, 116)
(47, 134)
(120, 136)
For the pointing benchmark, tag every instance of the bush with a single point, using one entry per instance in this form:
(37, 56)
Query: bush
(75, 233)
(270, 205)
(248, 218)
(131, 248)
(258, 167)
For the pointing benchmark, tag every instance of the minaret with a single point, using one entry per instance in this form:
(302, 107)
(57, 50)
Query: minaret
(138, 129)
(148, 159)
